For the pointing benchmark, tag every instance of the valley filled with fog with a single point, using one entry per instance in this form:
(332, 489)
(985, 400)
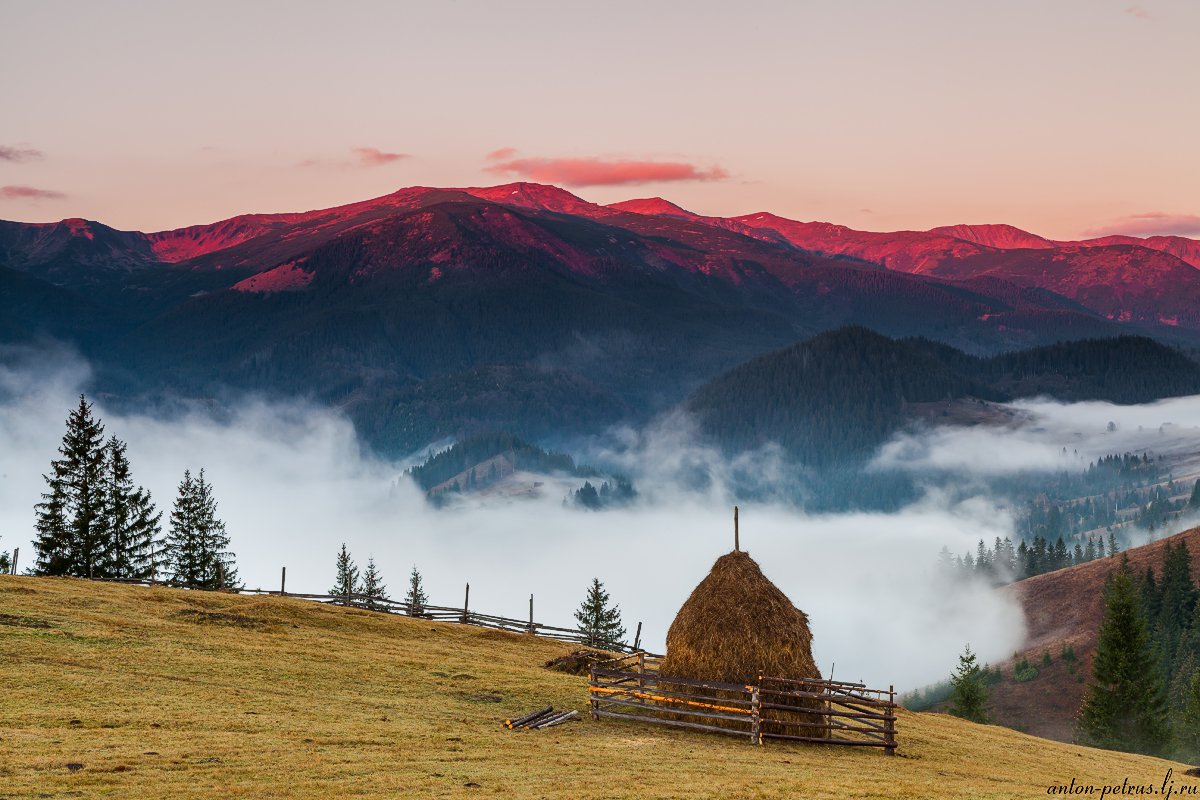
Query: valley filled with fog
(293, 483)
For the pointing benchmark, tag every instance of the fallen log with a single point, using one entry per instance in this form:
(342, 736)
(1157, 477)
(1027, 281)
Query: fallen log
(528, 718)
(556, 719)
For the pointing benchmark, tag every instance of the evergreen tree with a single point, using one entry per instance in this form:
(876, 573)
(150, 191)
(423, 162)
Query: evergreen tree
(969, 693)
(1112, 543)
(601, 626)
(1194, 500)
(1187, 728)
(5, 562)
(131, 522)
(196, 551)
(1124, 708)
(373, 588)
(70, 536)
(347, 577)
(415, 600)
(1177, 601)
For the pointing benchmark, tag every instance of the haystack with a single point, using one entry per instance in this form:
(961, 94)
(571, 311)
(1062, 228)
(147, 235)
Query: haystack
(736, 626)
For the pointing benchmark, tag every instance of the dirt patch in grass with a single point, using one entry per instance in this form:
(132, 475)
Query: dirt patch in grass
(220, 618)
(577, 663)
(23, 622)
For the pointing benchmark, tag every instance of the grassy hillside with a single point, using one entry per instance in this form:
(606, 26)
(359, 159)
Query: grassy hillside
(166, 693)
(1066, 607)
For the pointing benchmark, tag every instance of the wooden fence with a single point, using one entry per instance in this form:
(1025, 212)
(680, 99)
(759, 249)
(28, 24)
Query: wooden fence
(462, 615)
(817, 711)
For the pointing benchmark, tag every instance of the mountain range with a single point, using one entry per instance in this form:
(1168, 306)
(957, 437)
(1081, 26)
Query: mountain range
(429, 312)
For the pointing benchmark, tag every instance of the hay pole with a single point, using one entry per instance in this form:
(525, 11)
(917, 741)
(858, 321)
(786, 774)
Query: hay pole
(736, 542)
(17, 551)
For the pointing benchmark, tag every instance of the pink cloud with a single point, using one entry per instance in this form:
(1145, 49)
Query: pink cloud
(29, 193)
(1138, 11)
(19, 153)
(601, 172)
(502, 153)
(374, 157)
(1151, 223)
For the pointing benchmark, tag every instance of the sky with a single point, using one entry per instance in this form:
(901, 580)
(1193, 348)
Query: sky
(1067, 118)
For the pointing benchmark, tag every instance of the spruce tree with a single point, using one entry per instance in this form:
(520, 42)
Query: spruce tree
(415, 600)
(1187, 728)
(1124, 708)
(373, 588)
(600, 625)
(70, 538)
(346, 582)
(5, 562)
(969, 693)
(1194, 500)
(196, 551)
(131, 522)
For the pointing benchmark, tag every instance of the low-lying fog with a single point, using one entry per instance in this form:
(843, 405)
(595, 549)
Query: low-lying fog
(292, 485)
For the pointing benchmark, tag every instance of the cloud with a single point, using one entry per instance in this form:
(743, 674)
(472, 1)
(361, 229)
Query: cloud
(604, 172)
(1150, 223)
(362, 157)
(292, 482)
(1138, 11)
(502, 153)
(374, 157)
(19, 154)
(29, 193)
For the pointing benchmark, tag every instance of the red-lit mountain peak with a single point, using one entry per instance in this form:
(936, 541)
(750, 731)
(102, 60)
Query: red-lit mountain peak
(1002, 237)
(538, 196)
(653, 206)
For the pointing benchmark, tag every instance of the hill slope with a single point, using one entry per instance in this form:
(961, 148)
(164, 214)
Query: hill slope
(1067, 607)
(166, 693)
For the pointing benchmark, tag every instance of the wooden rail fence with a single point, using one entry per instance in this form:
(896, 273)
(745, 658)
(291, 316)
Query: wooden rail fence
(816, 711)
(462, 615)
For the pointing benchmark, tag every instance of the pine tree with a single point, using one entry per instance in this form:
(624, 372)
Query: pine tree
(346, 582)
(969, 693)
(415, 600)
(1187, 729)
(600, 625)
(196, 551)
(1124, 708)
(131, 522)
(373, 588)
(1194, 500)
(70, 536)
(5, 562)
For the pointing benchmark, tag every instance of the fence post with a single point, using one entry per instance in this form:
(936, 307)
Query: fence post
(637, 640)
(348, 588)
(642, 675)
(593, 704)
(756, 713)
(220, 576)
(889, 724)
(466, 617)
(531, 613)
(283, 583)
(16, 552)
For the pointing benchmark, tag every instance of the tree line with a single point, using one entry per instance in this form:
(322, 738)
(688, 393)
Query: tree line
(94, 522)
(1144, 693)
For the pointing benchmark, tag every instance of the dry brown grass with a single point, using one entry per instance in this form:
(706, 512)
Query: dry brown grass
(155, 699)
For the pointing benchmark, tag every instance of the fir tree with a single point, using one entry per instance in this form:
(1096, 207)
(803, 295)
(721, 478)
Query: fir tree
(5, 562)
(346, 582)
(130, 520)
(969, 693)
(373, 588)
(600, 625)
(70, 536)
(196, 551)
(1124, 708)
(1187, 728)
(1194, 500)
(415, 600)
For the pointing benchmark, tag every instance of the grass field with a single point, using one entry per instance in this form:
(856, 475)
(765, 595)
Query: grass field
(165, 693)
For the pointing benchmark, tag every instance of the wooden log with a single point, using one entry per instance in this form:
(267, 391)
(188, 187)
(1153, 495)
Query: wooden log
(755, 716)
(671, 723)
(727, 687)
(595, 707)
(657, 692)
(637, 638)
(558, 720)
(13, 567)
(283, 583)
(541, 712)
(673, 711)
(820, 740)
(466, 604)
(889, 735)
(825, 712)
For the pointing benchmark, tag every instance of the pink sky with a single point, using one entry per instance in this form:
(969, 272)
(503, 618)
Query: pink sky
(1061, 117)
